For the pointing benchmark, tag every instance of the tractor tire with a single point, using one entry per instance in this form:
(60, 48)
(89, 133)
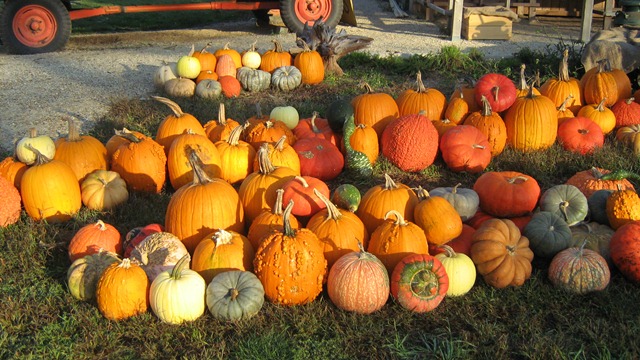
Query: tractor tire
(296, 13)
(34, 26)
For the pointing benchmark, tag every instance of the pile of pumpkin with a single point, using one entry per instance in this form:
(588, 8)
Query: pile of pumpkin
(227, 71)
(254, 198)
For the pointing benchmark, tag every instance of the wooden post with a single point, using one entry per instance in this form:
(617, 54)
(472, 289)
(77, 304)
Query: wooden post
(608, 14)
(456, 23)
(587, 18)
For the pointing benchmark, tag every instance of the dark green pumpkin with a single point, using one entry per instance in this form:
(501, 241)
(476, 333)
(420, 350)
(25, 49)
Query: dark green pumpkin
(548, 234)
(598, 206)
(346, 196)
(419, 282)
(567, 201)
(253, 80)
(337, 114)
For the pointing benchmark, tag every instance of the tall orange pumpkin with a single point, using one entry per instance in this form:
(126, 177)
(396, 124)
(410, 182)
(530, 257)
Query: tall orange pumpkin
(236, 157)
(84, 154)
(141, 163)
(604, 83)
(374, 109)
(430, 100)
(310, 64)
(522, 89)
(174, 125)
(531, 122)
(491, 124)
(281, 154)
(560, 88)
(180, 172)
(207, 60)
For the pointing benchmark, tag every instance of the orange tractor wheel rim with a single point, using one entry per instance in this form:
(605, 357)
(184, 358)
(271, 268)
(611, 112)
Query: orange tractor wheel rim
(35, 26)
(312, 10)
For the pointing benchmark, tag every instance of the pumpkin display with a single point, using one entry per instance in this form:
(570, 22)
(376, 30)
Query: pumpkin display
(395, 239)
(429, 100)
(589, 181)
(319, 158)
(374, 109)
(258, 190)
(180, 172)
(83, 153)
(357, 162)
(315, 126)
(531, 122)
(437, 218)
(233, 53)
(340, 232)
(230, 86)
(208, 88)
(221, 128)
(600, 114)
(91, 238)
(103, 190)
(281, 154)
(300, 189)
(84, 273)
(579, 270)
(623, 206)
(379, 199)
(290, 264)
(548, 234)
(122, 291)
(358, 282)
(287, 114)
(226, 66)
(12, 169)
(522, 88)
(43, 143)
(625, 250)
(567, 201)
(507, 193)
(158, 252)
(626, 112)
(222, 251)
(199, 208)
(236, 157)
(464, 200)
(59, 200)
(11, 203)
(178, 295)
(286, 78)
(597, 238)
(580, 135)
(410, 142)
(310, 64)
(465, 148)
(499, 90)
(419, 282)
(460, 269)
(175, 124)
(268, 221)
(491, 125)
(564, 90)
(141, 163)
(275, 58)
(347, 197)
(234, 295)
(602, 83)
(501, 254)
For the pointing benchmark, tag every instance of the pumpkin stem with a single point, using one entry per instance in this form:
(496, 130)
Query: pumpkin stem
(563, 209)
(222, 237)
(601, 106)
(486, 106)
(476, 146)
(277, 47)
(422, 193)
(302, 180)
(41, 159)
(233, 294)
(234, 135)
(496, 90)
(200, 177)
(73, 135)
(389, 184)
(563, 106)
(399, 218)
(277, 207)
(176, 272)
(517, 178)
(193, 50)
(333, 213)
(288, 230)
(448, 250)
(596, 173)
(455, 188)
(101, 225)
(523, 79)
(265, 166)
(33, 133)
(367, 88)
(563, 73)
(125, 263)
(630, 100)
(420, 85)
(175, 108)
(222, 116)
(314, 128)
(280, 143)
(128, 135)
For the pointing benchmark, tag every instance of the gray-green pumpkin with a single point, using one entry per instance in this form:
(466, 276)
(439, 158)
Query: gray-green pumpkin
(235, 295)
(598, 206)
(464, 200)
(567, 201)
(208, 89)
(598, 237)
(548, 234)
(253, 80)
(286, 78)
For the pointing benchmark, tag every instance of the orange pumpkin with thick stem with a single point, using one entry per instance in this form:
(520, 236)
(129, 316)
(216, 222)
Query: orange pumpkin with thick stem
(269, 220)
(429, 100)
(236, 157)
(83, 153)
(281, 154)
(260, 131)
(175, 124)
(507, 193)
(315, 127)
(141, 163)
(116, 140)
(310, 64)
(491, 125)
(376, 110)
(498, 89)
(589, 181)
(12, 170)
(207, 60)
(290, 264)
(602, 83)
(275, 58)
(222, 251)
(180, 172)
(564, 89)
(466, 91)
(220, 129)
(123, 290)
(523, 88)
(600, 114)
(93, 237)
(438, 219)
(531, 122)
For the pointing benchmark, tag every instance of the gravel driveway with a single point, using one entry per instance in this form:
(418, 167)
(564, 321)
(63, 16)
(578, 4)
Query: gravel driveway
(82, 80)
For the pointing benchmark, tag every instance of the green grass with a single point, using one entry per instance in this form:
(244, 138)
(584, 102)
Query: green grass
(40, 319)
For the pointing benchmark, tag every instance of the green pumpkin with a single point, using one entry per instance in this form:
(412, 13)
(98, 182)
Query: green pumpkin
(286, 78)
(567, 201)
(235, 295)
(84, 273)
(337, 114)
(346, 196)
(598, 206)
(464, 200)
(253, 80)
(356, 162)
(598, 237)
(548, 234)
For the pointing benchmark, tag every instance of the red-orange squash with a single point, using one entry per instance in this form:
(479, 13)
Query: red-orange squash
(419, 282)
(625, 250)
(410, 142)
(507, 193)
(93, 237)
(465, 148)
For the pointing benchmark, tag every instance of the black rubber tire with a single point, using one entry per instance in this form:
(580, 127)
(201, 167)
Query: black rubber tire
(288, 14)
(56, 9)
(262, 17)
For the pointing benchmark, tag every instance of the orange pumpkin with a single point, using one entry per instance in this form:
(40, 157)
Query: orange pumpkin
(438, 219)
(531, 122)
(220, 129)
(231, 87)
(522, 89)
(180, 172)
(564, 89)
(589, 181)
(376, 110)
(281, 154)
(269, 130)
(236, 157)
(275, 58)
(491, 125)
(91, 238)
(580, 135)
(507, 193)
(626, 112)
(601, 115)
(565, 113)
(11, 203)
(12, 170)
(429, 100)
(310, 64)
(269, 220)
(141, 164)
(233, 53)
(410, 142)
(84, 154)
(222, 251)
(207, 60)
(457, 109)
(128, 283)
(602, 83)
(116, 140)
(175, 125)
(365, 140)
(465, 148)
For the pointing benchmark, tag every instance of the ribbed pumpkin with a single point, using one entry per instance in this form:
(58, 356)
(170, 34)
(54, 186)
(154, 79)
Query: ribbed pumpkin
(235, 295)
(464, 200)
(84, 273)
(340, 232)
(258, 190)
(158, 252)
(419, 282)
(269, 220)
(623, 206)
(203, 206)
(275, 58)
(180, 172)
(290, 264)
(236, 157)
(226, 66)
(12, 170)
(319, 158)
(177, 295)
(50, 190)
(602, 83)
(410, 142)
(379, 199)
(457, 108)
(123, 291)
(220, 129)
(507, 193)
(589, 181)
(460, 269)
(11, 203)
(83, 153)
(627, 112)
(365, 140)
(491, 124)
(222, 251)
(429, 100)
(141, 163)
(502, 256)
(600, 114)
(522, 88)
(103, 190)
(625, 250)
(358, 282)
(394, 240)
(253, 80)
(566, 201)
(281, 154)
(286, 78)
(310, 64)
(580, 135)
(226, 50)
(532, 123)
(559, 89)
(315, 126)
(374, 109)
(499, 90)
(548, 234)
(579, 270)
(175, 124)
(437, 218)
(91, 238)
(465, 148)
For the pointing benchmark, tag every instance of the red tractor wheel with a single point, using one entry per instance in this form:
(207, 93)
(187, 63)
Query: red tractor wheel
(296, 13)
(34, 26)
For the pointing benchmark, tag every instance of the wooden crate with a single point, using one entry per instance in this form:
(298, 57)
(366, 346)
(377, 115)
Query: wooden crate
(484, 27)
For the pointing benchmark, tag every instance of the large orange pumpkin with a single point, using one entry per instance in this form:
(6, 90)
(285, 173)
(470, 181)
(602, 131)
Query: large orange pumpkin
(275, 58)
(310, 64)
(141, 163)
(410, 142)
(236, 157)
(269, 220)
(430, 100)
(507, 193)
(123, 290)
(531, 122)
(180, 172)
(220, 129)
(564, 89)
(602, 83)
(374, 109)
(281, 154)
(465, 148)
(438, 219)
(84, 154)
(600, 114)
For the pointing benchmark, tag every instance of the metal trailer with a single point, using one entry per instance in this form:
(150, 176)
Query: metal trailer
(38, 26)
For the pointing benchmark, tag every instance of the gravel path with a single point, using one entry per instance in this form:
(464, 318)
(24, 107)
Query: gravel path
(82, 80)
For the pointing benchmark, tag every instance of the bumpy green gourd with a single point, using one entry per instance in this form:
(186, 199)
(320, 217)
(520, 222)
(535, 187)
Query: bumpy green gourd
(357, 163)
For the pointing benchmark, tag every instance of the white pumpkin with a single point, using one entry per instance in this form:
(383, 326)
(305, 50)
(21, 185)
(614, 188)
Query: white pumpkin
(43, 143)
(163, 74)
(251, 58)
(460, 269)
(158, 252)
(287, 114)
(84, 273)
